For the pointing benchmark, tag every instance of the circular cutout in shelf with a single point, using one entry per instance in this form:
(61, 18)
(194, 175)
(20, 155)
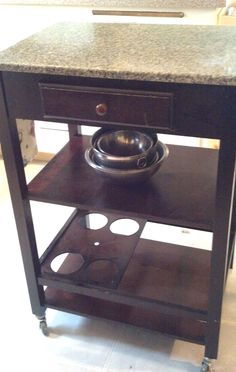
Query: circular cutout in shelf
(124, 226)
(93, 221)
(67, 263)
(101, 271)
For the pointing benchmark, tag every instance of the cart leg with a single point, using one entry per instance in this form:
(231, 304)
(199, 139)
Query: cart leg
(224, 200)
(43, 325)
(22, 210)
(233, 231)
(206, 365)
(232, 258)
(74, 129)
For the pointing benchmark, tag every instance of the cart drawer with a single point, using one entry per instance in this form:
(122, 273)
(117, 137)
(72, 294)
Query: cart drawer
(107, 106)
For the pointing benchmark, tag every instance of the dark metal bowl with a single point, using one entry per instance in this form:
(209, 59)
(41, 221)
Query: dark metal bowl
(141, 153)
(124, 143)
(128, 176)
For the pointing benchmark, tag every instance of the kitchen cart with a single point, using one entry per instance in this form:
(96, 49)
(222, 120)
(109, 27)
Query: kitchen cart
(169, 78)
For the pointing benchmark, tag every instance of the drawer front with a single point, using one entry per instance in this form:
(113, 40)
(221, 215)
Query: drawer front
(107, 106)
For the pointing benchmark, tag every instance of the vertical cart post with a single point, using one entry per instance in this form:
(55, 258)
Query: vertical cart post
(21, 206)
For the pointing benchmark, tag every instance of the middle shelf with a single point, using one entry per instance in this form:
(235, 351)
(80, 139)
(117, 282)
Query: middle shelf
(128, 269)
(181, 193)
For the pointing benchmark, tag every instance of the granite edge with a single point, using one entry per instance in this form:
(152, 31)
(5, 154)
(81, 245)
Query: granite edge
(124, 75)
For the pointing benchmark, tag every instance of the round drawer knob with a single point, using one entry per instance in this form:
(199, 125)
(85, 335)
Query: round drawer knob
(101, 109)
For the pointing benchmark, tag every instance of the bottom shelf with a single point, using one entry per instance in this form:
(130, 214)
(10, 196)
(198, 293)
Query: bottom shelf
(180, 328)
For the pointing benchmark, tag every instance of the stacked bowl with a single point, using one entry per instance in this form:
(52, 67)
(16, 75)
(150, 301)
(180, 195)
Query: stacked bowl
(126, 156)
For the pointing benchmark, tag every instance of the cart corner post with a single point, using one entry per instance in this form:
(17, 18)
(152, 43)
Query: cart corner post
(21, 206)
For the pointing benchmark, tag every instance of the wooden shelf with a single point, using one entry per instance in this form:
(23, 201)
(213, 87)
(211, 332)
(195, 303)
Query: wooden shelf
(181, 328)
(129, 269)
(105, 255)
(180, 193)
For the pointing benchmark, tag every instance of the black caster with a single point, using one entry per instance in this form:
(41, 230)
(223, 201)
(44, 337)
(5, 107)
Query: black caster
(43, 326)
(206, 365)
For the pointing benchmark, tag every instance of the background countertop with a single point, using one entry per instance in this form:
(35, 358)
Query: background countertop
(126, 3)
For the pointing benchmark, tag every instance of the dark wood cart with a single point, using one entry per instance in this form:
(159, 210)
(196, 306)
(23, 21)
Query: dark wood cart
(170, 288)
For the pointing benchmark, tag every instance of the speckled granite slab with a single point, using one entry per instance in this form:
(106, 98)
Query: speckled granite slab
(166, 53)
(127, 3)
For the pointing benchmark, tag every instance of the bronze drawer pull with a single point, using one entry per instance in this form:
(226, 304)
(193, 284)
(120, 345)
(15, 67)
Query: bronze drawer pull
(101, 109)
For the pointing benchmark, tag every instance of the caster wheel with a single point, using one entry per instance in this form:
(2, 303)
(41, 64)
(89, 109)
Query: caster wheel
(206, 365)
(205, 368)
(44, 328)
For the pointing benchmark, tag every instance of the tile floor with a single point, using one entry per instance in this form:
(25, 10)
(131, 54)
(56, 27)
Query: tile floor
(79, 344)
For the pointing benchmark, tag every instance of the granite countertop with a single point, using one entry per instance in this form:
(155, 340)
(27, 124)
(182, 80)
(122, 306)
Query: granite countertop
(163, 53)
